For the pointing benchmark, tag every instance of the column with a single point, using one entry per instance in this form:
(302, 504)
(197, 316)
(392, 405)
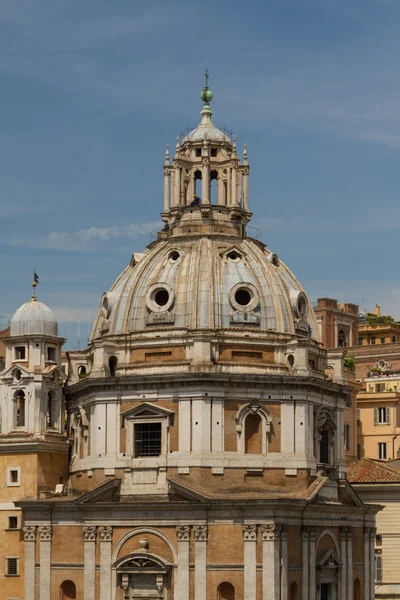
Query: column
(313, 566)
(177, 186)
(367, 565)
(105, 535)
(166, 188)
(234, 186)
(343, 557)
(349, 564)
(250, 561)
(372, 536)
(305, 536)
(89, 562)
(246, 189)
(29, 572)
(182, 579)
(45, 533)
(284, 559)
(220, 189)
(270, 559)
(205, 187)
(200, 561)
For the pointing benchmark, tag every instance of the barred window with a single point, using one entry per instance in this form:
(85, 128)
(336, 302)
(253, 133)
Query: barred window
(12, 566)
(12, 522)
(378, 566)
(147, 439)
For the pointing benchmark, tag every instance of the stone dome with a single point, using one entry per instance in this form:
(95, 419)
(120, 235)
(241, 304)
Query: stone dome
(206, 283)
(32, 318)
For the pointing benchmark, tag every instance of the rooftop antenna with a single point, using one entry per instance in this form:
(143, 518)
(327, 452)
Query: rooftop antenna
(34, 284)
(78, 335)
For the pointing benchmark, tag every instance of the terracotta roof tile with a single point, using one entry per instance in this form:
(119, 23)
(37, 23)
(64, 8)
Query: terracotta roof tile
(367, 470)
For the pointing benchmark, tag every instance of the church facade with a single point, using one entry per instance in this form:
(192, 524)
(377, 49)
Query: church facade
(195, 450)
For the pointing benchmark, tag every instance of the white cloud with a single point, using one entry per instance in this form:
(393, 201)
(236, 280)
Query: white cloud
(87, 239)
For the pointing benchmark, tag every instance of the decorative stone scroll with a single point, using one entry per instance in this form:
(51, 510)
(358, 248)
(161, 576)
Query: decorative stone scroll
(105, 534)
(249, 533)
(200, 533)
(45, 533)
(89, 533)
(30, 533)
(183, 533)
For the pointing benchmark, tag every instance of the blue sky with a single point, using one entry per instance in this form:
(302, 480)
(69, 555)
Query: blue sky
(92, 90)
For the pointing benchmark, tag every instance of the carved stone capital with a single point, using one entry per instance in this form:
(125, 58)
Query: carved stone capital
(313, 534)
(284, 533)
(349, 533)
(105, 534)
(305, 533)
(45, 533)
(270, 532)
(343, 533)
(200, 533)
(89, 533)
(183, 533)
(30, 533)
(372, 533)
(249, 533)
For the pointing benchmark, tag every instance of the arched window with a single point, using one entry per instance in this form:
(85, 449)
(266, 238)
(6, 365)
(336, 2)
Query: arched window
(213, 186)
(81, 371)
(67, 590)
(19, 409)
(293, 591)
(357, 590)
(325, 436)
(226, 591)
(342, 339)
(253, 434)
(198, 176)
(113, 363)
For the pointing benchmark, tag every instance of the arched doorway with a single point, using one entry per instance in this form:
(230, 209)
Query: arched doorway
(293, 595)
(143, 575)
(357, 590)
(226, 591)
(67, 590)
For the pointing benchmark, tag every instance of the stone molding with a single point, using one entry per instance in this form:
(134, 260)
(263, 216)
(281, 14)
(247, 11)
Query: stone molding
(105, 534)
(89, 533)
(30, 533)
(249, 533)
(200, 533)
(270, 532)
(183, 533)
(45, 533)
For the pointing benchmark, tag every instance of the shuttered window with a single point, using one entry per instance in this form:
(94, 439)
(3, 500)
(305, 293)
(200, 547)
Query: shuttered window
(382, 415)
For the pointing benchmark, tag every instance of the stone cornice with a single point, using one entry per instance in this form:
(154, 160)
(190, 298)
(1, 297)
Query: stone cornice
(29, 445)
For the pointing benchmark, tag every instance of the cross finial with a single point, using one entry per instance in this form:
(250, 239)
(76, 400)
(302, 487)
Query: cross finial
(206, 74)
(34, 284)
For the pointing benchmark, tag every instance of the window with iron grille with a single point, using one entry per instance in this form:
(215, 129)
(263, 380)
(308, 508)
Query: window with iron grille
(378, 566)
(12, 522)
(147, 439)
(12, 566)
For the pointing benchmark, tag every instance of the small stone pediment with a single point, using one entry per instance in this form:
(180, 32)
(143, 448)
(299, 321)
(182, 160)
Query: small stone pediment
(146, 410)
(329, 561)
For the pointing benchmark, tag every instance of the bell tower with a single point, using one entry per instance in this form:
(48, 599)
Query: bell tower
(202, 156)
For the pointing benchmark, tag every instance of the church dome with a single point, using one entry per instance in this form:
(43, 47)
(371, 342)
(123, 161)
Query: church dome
(205, 284)
(32, 318)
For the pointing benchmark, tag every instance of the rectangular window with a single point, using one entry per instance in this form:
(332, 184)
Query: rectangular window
(358, 415)
(147, 439)
(198, 152)
(324, 447)
(382, 451)
(393, 339)
(382, 340)
(13, 476)
(12, 566)
(347, 437)
(373, 340)
(12, 522)
(382, 415)
(213, 152)
(20, 353)
(51, 354)
(378, 566)
(360, 341)
(358, 451)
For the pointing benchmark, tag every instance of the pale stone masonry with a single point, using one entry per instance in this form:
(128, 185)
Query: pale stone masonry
(203, 451)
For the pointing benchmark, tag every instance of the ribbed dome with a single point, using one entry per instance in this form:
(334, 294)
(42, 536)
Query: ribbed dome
(34, 317)
(206, 283)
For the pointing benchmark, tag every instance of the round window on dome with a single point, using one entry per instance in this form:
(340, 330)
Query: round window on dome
(298, 301)
(161, 297)
(234, 256)
(174, 255)
(244, 297)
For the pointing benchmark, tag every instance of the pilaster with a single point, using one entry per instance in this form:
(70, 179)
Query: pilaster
(200, 566)
(305, 536)
(45, 535)
(271, 559)
(284, 561)
(250, 561)
(183, 533)
(313, 566)
(343, 553)
(105, 535)
(89, 558)
(349, 540)
(372, 535)
(367, 565)
(29, 571)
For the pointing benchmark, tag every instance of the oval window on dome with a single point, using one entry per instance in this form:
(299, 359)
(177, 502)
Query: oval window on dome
(174, 256)
(298, 301)
(244, 297)
(234, 256)
(160, 297)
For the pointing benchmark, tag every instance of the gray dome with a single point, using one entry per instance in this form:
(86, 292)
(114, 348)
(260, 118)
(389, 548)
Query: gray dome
(206, 283)
(32, 318)
(213, 134)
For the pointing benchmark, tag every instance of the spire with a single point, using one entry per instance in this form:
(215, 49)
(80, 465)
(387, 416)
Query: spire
(245, 157)
(167, 155)
(206, 95)
(34, 284)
